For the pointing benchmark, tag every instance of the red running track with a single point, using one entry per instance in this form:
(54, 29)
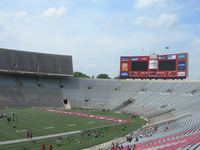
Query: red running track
(83, 115)
(172, 142)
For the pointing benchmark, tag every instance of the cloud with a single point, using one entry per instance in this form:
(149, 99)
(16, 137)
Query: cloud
(163, 20)
(21, 14)
(148, 3)
(90, 66)
(12, 16)
(196, 44)
(97, 1)
(97, 36)
(10, 22)
(54, 12)
(194, 53)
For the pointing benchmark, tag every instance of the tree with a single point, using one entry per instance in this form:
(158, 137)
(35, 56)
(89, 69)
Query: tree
(80, 75)
(117, 77)
(103, 76)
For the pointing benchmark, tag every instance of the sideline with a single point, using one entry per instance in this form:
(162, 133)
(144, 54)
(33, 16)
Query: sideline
(53, 135)
(39, 137)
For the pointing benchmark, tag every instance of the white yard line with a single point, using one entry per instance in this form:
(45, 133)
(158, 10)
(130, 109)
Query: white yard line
(39, 137)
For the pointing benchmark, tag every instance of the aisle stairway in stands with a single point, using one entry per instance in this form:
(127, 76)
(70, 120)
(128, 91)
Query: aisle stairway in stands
(123, 105)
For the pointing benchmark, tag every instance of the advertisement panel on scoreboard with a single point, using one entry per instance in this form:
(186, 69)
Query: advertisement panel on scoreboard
(181, 65)
(153, 64)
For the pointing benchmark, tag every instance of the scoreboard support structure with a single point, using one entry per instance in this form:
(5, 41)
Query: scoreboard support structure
(168, 66)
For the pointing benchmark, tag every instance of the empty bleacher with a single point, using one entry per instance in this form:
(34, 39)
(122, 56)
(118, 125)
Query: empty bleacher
(174, 102)
(150, 97)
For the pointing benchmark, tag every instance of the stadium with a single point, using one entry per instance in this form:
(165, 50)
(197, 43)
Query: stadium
(44, 107)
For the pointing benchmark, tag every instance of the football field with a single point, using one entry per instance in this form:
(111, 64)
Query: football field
(96, 127)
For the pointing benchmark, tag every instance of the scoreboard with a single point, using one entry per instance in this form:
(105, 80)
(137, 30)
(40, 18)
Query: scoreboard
(169, 66)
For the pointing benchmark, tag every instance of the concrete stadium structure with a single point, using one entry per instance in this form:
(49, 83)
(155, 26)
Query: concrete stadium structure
(175, 103)
(31, 63)
(172, 103)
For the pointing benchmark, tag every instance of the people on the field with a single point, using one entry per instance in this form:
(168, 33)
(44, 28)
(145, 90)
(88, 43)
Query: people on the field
(14, 125)
(9, 119)
(2, 115)
(31, 135)
(14, 116)
(27, 134)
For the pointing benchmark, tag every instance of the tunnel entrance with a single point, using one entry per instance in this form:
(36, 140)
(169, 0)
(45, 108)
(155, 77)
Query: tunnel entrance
(66, 103)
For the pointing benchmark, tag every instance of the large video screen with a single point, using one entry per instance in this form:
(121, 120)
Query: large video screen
(167, 65)
(139, 66)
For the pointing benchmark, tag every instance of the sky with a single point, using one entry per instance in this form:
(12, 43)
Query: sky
(97, 32)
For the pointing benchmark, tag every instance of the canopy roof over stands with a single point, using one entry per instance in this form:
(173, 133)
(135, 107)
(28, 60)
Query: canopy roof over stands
(22, 62)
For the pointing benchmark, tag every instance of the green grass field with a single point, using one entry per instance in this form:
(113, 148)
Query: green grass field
(45, 123)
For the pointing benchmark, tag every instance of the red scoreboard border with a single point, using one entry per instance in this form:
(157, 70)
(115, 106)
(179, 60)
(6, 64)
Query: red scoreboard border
(181, 71)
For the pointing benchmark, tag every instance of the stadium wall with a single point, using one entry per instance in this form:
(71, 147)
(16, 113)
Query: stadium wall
(29, 92)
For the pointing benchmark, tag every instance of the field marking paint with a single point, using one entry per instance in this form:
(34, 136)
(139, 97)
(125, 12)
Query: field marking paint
(19, 131)
(71, 125)
(83, 115)
(39, 137)
(47, 128)
(65, 134)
